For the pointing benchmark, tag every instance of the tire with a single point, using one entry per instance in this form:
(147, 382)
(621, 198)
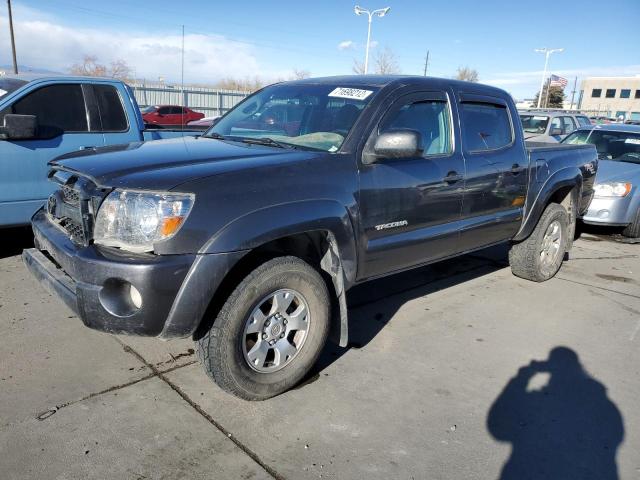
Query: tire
(633, 229)
(227, 348)
(528, 259)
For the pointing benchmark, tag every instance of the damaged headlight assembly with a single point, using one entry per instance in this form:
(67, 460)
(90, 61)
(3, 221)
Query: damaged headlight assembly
(135, 220)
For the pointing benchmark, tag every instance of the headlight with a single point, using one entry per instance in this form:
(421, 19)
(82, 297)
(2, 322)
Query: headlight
(612, 189)
(134, 221)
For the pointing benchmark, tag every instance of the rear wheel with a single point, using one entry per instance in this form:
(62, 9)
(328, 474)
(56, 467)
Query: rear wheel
(538, 258)
(269, 332)
(633, 229)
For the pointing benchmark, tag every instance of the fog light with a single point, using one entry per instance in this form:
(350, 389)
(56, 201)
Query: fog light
(136, 298)
(603, 214)
(120, 298)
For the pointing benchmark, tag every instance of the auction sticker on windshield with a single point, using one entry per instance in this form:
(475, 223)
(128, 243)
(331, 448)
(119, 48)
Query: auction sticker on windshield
(350, 93)
(633, 141)
(2, 92)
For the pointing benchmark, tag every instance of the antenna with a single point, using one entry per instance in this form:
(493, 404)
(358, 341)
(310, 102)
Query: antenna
(182, 81)
(426, 63)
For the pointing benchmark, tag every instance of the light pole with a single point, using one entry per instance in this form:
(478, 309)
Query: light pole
(381, 12)
(547, 53)
(13, 40)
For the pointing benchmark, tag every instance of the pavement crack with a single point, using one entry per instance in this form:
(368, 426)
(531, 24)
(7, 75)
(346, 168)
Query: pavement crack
(48, 413)
(597, 286)
(161, 374)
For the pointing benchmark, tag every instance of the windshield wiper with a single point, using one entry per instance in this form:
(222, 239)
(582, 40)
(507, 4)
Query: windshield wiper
(215, 135)
(266, 141)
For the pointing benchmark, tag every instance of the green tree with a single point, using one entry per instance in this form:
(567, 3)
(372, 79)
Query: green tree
(555, 100)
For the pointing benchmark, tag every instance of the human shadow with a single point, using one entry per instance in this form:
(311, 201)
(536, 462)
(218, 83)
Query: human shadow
(567, 429)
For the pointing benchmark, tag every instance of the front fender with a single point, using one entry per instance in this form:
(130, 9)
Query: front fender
(277, 221)
(563, 178)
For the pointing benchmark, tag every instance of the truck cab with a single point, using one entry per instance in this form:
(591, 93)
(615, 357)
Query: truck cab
(67, 114)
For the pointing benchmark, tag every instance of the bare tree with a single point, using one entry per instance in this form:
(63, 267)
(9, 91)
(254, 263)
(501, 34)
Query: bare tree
(358, 67)
(386, 62)
(120, 70)
(247, 84)
(467, 74)
(300, 74)
(91, 68)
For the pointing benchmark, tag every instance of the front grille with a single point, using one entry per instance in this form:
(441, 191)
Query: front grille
(69, 195)
(76, 232)
(73, 205)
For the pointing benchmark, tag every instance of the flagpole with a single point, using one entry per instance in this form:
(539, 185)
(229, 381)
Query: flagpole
(546, 100)
(573, 92)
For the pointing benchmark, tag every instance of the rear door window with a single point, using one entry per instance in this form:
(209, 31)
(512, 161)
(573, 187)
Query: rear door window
(583, 121)
(568, 125)
(58, 108)
(485, 126)
(112, 114)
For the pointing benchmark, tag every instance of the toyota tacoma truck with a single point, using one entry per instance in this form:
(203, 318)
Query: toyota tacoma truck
(43, 117)
(248, 238)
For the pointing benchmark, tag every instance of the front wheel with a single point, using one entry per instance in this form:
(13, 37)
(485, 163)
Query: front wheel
(269, 332)
(633, 229)
(538, 258)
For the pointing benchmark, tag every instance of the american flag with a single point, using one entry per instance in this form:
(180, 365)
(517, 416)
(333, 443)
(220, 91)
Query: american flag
(556, 81)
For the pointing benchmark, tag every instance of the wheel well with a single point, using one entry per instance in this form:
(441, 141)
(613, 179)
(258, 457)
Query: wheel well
(312, 247)
(562, 196)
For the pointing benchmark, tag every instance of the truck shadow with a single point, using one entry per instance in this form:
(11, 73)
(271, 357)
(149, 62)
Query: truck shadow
(14, 240)
(373, 305)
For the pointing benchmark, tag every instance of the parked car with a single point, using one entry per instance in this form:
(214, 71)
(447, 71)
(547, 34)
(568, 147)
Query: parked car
(246, 237)
(42, 117)
(617, 188)
(203, 123)
(550, 126)
(169, 115)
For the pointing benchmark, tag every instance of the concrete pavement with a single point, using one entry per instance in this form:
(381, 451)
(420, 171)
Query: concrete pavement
(425, 390)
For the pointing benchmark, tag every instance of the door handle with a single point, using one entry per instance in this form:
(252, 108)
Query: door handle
(452, 177)
(516, 169)
(87, 148)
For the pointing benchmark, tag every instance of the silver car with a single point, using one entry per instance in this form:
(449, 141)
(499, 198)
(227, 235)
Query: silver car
(617, 189)
(550, 126)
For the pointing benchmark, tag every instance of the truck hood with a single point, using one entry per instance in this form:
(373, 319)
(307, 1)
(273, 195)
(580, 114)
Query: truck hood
(165, 164)
(610, 171)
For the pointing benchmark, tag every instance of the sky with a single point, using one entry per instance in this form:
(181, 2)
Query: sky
(272, 39)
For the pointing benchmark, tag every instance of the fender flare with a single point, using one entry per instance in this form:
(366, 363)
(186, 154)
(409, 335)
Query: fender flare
(278, 221)
(566, 177)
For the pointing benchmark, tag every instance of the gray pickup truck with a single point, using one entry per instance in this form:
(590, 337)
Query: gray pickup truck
(248, 237)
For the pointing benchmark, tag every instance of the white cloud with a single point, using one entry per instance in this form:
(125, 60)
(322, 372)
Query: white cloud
(346, 45)
(373, 44)
(46, 43)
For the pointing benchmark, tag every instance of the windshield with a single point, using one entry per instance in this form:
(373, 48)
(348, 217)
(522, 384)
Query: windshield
(616, 146)
(534, 123)
(8, 85)
(317, 117)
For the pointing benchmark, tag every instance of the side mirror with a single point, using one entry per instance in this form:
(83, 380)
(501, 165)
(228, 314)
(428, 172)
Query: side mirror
(19, 127)
(398, 144)
(555, 131)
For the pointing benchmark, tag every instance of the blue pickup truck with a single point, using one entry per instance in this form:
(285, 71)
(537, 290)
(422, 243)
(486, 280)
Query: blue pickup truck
(42, 118)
